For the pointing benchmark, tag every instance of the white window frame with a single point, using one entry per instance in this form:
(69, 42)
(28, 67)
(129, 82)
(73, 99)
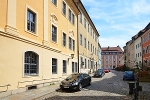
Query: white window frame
(54, 2)
(64, 66)
(85, 22)
(63, 39)
(81, 18)
(27, 7)
(52, 33)
(63, 2)
(80, 39)
(31, 63)
(55, 66)
(69, 15)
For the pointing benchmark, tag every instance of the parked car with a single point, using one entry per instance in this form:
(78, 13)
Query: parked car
(128, 75)
(99, 73)
(76, 81)
(106, 70)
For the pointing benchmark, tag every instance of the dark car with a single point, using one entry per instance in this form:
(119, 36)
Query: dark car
(76, 81)
(99, 73)
(128, 75)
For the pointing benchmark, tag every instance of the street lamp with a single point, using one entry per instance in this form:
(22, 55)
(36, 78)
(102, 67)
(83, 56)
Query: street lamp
(72, 56)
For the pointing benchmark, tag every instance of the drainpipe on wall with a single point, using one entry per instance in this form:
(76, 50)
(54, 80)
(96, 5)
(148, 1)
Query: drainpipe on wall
(78, 44)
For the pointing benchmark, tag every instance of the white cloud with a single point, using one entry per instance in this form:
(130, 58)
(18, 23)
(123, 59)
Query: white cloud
(118, 20)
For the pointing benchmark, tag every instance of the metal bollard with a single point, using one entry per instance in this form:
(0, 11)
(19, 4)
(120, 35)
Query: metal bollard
(135, 94)
(137, 86)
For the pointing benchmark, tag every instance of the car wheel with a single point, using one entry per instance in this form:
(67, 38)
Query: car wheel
(123, 79)
(89, 82)
(61, 88)
(80, 87)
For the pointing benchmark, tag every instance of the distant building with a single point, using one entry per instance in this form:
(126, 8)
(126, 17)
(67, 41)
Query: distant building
(111, 56)
(88, 41)
(99, 66)
(145, 38)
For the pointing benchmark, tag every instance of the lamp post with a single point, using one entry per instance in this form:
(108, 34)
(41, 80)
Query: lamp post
(72, 56)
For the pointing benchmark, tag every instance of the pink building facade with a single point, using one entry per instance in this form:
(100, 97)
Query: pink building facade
(111, 56)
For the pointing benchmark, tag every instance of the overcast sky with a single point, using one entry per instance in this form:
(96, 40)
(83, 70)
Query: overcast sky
(118, 20)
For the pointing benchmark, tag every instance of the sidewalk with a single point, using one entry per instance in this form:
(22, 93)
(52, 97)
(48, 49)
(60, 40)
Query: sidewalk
(32, 94)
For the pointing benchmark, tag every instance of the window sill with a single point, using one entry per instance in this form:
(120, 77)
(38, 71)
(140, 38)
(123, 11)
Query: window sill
(37, 75)
(55, 42)
(64, 15)
(31, 33)
(64, 74)
(54, 73)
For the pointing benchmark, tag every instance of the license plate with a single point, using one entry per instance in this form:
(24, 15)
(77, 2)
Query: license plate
(66, 87)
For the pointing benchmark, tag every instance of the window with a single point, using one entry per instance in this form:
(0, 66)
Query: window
(146, 49)
(73, 19)
(95, 38)
(88, 64)
(143, 51)
(74, 67)
(91, 31)
(69, 43)
(81, 17)
(54, 66)
(64, 39)
(54, 33)
(85, 63)
(88, 27)
(91, 47)
(69, 15)
(81, 62)
(85, 42)
(88, 45)
(93, 34)
(31, 63)
(64, 66)
(73, 45)
(80, 39)
(64, 8)
(54, 2)
(31, 24)
(84, 22)
(142, 39)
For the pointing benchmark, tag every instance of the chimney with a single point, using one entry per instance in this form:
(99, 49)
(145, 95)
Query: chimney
(108, 47)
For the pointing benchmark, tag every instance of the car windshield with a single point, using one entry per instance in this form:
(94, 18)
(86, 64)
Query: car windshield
(98, 71)
(73, 76)
(128, 72)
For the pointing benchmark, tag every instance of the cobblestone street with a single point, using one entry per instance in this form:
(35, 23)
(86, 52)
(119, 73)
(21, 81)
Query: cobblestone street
(110, 87)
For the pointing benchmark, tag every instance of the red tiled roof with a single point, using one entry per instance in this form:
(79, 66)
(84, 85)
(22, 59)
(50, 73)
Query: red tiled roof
(112, 49)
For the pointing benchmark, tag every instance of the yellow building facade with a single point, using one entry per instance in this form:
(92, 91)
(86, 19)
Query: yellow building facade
(37, 40)
(88, 41)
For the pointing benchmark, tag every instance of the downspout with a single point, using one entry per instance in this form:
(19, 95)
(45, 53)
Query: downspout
(78, 44)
